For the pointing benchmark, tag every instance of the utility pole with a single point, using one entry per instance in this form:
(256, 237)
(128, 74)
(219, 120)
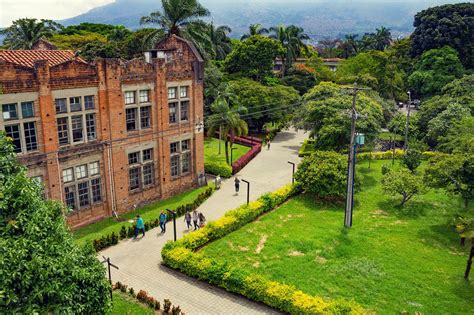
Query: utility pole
(109, 264)
(351, 161)
(405, 146)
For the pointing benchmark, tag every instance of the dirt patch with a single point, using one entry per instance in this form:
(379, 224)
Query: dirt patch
(243, 248)
(256, 264)
(379, 212)
(295, 253)
(231, 245)
(289, 216)
(261, 244)
(320, 260)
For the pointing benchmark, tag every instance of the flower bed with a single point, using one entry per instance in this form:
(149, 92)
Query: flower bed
(254, 139)
(246, 158)
(113, 238)
(182, 255)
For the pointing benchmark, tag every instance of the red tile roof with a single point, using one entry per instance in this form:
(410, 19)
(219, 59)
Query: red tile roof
(27, 58)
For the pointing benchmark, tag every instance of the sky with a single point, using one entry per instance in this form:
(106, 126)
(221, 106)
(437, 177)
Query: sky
(11, 10)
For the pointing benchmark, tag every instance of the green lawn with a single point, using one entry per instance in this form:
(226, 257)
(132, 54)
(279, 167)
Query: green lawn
(391, 260)
(386, 136)
(211, 151)
(148, 213)
(125, 305)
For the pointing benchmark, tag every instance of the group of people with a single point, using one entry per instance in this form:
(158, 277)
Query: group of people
(197, 218)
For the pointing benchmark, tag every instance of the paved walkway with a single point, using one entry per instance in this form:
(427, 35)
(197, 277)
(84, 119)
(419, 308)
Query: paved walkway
(139, 260)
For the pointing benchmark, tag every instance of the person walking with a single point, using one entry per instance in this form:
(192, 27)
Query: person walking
(268, 144)
(202, 219)
(195, 219)
(187, 219)
(140, 226)
(163, 218)
(237, 185)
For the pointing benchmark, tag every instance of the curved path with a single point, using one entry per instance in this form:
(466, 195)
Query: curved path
(139, 260)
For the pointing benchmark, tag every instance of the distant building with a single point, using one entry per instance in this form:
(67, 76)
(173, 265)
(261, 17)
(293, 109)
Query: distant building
(332, 63)
(110, 135)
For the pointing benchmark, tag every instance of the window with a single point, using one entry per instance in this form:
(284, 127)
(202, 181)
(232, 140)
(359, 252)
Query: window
(134, 158)
(141, 173)
(94, 168)
(75, 104)
(148, 174)
(147, 155)
(183, 92)
(144, 96)
(63, 134)
(85, 189)
(131, 119)
(30, 136)
(96, 190)
(130, 97)
(68, 175)
(13, 131)
(145, 113)
(61, 105)
(77, 129)
(90, 126)
(180, 157)
(9, 111)
(172, 111)
(172, 93)
(184, 110)
(134, 176)
(70, 195)
(89, 102)
(27, 110)
(83, 193)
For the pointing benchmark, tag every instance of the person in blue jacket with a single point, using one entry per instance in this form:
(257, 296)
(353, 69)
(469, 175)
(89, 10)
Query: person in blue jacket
(163, 218)
(140, 226)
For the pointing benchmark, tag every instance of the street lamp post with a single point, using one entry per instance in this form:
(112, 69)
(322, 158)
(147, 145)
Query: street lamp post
(248, 190)
(173, 213)
(408, 121)
(293, 172)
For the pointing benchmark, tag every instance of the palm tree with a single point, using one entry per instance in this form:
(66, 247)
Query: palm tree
(367, 42)
(220, 41)
(23, 33)
(382, 38)
(182, 18)
(352, 43)
(255, 29)
(291, 38)
(227, 121)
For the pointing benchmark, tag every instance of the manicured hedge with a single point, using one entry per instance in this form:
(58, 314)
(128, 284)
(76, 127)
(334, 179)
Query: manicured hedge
(254, 139)
(218, 168)
(127, 232)
(246, 158)
(181, 255)
(388, 155)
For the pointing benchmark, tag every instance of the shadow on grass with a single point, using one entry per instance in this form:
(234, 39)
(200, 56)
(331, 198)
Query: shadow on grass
(367, 178)
(441, 235)
(412, 209)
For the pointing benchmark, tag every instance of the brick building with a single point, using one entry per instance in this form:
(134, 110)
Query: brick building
(110, 135)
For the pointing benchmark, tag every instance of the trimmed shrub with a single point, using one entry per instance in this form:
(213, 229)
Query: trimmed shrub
(181, 255)
(246, 158)
(216, 168)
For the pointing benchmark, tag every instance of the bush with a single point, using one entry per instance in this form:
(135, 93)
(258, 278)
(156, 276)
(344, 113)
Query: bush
(216, 168)
(180, 255)
(323, 174)
(404, 183)
(307, 148)
(385, 169)
(412, 159)
(246, 158)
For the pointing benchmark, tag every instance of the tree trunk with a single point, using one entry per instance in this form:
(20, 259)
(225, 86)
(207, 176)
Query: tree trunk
(226, 149)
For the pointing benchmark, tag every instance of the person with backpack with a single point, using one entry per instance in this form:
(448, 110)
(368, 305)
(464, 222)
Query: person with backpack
(237, 185)
(163, 218)
(202, 219)
(140, 226)
(187, 219)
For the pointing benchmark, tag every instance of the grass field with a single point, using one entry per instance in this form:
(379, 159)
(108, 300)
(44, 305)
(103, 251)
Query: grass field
(391, 260)
(211, 151)
(125, 305)
(148, 213)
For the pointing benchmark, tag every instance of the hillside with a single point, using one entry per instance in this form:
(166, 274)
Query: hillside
(320, 19)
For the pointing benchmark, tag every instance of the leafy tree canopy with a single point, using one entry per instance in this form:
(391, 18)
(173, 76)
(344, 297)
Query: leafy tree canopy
(459, 138)
(264, 103)
(450, 24)
(253, 57)
(43, 270)
(435, 69)
(326, 113)
(301, 78)
(102, 29)
(77, 41)
(442, 123)
(23, 33)
(403, 183)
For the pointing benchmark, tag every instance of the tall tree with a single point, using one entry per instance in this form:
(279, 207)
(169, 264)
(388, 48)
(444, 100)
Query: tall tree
(450, 24)
(43, 271)
(182, 18)
(382, 38)
(255, 29)
(292, 40)
(221, 45)
(23, 33)
(227, 121)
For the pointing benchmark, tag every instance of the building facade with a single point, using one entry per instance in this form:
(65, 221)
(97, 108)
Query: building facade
(107, 136)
